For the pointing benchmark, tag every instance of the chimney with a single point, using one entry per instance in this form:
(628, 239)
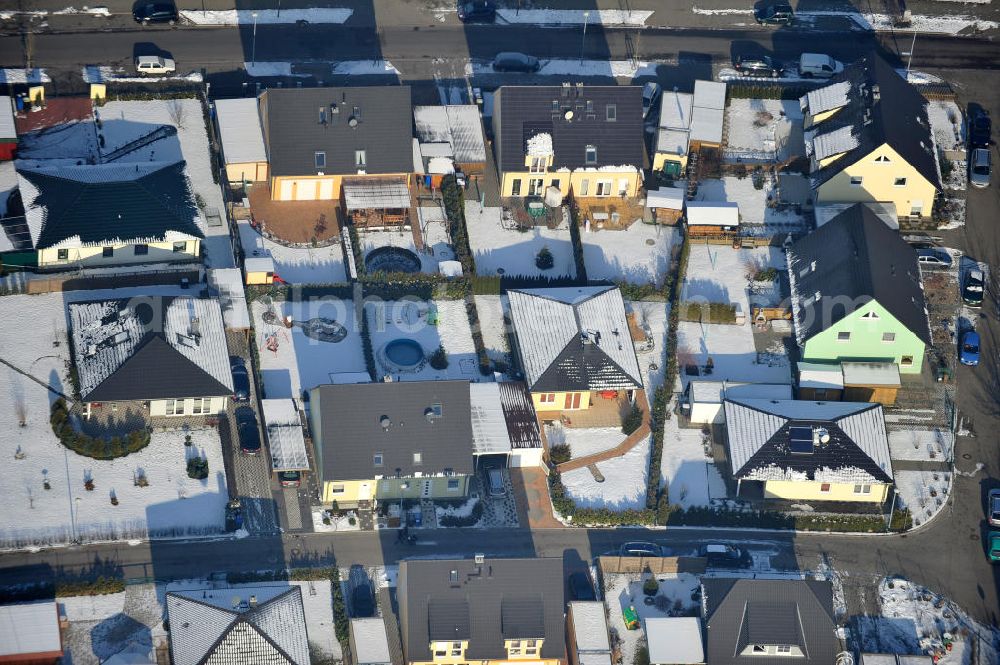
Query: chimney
(253, 601)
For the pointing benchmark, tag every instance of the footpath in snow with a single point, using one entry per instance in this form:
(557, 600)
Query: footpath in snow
(574, 16)
(269, 16)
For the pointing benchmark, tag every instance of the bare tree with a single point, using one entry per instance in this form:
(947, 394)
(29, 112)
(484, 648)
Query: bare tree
(177, 112)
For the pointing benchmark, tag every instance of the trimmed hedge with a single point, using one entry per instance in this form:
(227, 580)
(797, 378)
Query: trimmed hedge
(366, 344)
(708, 312)
(632, 421)
(454, 206)
(560, 453)
(95, 447)
(767, 519)
(574, 236)
(464, 520)
(566, 507)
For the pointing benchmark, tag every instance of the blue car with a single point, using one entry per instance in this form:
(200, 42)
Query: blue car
(968, 350)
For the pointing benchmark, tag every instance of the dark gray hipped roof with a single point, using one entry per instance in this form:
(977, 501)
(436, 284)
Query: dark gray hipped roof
(293, 131)
(742, 612)
(881, 108)
(526, 111)
(857, 258)
(502, 599)
(352, 430)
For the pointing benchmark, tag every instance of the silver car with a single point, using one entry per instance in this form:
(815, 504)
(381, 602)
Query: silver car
(980, 167)
(993, 507)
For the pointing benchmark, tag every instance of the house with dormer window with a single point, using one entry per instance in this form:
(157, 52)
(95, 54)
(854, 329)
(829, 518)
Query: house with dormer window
(482, 611)
(584, 140)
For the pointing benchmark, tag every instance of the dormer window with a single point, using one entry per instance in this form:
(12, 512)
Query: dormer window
(591, 154)
(611, 113)
(881, 159)
(322, 115)
(759, 648)
(360, 159)
(555, 106)
(320, 159)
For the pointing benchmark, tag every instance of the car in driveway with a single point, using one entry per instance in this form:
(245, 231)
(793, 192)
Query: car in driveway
(650, 93)
(980, 129)
(580, 587)
(494, 478)
(477, 11)
(993, 543)
(773, 12)
(980, 167)
(511, 61)
(247, 431)
(757, 65)
(363, 601)
(290, 478)
(993, 507)
(241, 379)
(155, 12)
(933, 258)
(154, 65)
(640, 548)
(968, 348)
(973, 288)
(724, 555)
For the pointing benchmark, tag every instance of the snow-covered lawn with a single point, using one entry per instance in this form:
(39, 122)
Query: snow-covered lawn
(107, 74)
(627, 255)
(732, 351)
(296, 362)
(393, 320)
(763, 129)
(922, 445)
(594, 17)
(686, 468)
(252, 16)
(652, 362)
(436, 245)
(491, 323)
(923, 492)
(624, 483)
(623, 591)
(497, 248)
(584, 441)
(296, 265)
(752, 201)
(947, 124)
(719, 273)
(572, 67)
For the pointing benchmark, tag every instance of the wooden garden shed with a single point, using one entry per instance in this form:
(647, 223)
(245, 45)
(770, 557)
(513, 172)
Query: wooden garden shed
(871, 382)
(713, 222)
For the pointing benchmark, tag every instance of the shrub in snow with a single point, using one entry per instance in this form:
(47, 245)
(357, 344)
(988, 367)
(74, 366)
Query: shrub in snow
(352, 520)
(632, 421)
(197, 468)
(661, 603)
(464, 520)
(89, 446)
(559, 453)
(544, 259)
(650, 586)
(439, 359)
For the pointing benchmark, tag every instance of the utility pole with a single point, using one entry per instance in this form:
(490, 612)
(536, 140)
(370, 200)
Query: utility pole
(253, 45)
(909, 56)
(583, 42)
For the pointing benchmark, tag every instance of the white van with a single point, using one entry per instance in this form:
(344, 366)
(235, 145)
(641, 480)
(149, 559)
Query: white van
(818, 65)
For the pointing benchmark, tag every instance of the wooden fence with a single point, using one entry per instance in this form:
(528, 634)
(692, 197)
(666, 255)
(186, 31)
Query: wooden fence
(658, 565)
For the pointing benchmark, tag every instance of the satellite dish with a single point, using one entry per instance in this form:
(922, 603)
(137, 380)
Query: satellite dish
(568, 115)
(352, 121)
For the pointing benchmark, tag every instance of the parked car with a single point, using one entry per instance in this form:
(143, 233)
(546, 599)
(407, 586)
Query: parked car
(290, 478)
(994, 546)
(511, 61)
(980, 129)
(363, 601)
(155, 12)
(247, 431)
(495, 478)
(980, 167)
(773, 12)
(580, 587)
(241, 379)
(993, 507)
(477, 11)
(151, 65)
(818, 65)
(758, 65)
(933, 258)
(650, 93)
(640, 548)
(968, 348)
(722, 554)
(973, 288)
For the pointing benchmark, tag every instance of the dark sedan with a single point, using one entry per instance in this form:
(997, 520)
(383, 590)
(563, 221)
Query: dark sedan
(580, 587)
(241, 379)
(773, 12)
(758, 66)
(477, 11)
(247, 431)
(155, 12)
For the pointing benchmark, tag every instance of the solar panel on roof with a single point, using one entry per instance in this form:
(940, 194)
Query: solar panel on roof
(800, 439)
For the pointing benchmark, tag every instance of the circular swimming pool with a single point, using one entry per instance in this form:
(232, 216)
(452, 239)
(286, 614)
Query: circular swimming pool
(404, 355)
(392, 259)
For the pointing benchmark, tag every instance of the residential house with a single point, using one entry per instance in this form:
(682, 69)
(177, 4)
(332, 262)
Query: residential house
(674, 641)
(167, 353)
(369, 642)
(327, 143)
(750, 621)
(242, 140)
(100, 215)
(868, 139)
(808, 451)
(574, 347)
(482, 611)
(264, 624)
(30, 633)
(450, 139)
(856, 294)
(587, 630)
(584, 140)
(688, 123)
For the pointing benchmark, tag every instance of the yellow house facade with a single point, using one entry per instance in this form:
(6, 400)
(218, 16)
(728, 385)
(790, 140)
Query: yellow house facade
(116, 254)
(572, 400)
(321, 187)
(581, 182)
(518, 652)
(818, 491)
(348, 493)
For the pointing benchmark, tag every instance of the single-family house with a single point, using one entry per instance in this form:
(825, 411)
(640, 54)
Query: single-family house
(450, 138)
(587, 629)
(574, 347)
(482, 611)
(167, 353)
(327, 143)
(264, 624)
(584, 140)
(868, 139)
(31, 634)
(808, 451)
(100, 215)
(241, 140)
(369, 642)
(750, 621)
(856, 294)
(674, 641)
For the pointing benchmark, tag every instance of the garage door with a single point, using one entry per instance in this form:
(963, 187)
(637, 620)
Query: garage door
(306, 190)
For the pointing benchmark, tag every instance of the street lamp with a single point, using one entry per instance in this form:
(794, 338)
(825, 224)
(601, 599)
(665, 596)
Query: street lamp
(583, 41)
(73, 518)
(253, 46)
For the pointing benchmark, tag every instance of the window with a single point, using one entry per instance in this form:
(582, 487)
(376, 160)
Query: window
(440, 654)
(584, 187)
(603, 188)
(62, 254)
(357, 113)
(547, 398)
(916, 208)
(844, 336)
(175, 407)
(515, 644)
(418, 458)
(888, 338)
(591, 154)
(538, 164)
(554, 183)
(437, 410)
(360, 159)
(320, 158)
(870, 316)
(141, 250)
(535, 187)
(515, 652)
(322, 115)
(825, 487)
(856, 180)
(881, 159)
(759, 648)
(377, 459)
(862, 489)
(572, 401)
(453, 484)
(180, 246)
(611, 112)
(590, 106)
(899, 182)
(555, 106)
(336, 488)
(201, 405)
(456, 652)
(456, 645)
(108, 252)
(783, 648)
(906, 361)
(530, 644)
(515, 187)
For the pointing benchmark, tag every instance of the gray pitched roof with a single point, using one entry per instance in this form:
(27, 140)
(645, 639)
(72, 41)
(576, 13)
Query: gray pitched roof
(107, 203)
(502, 599)
(743, 612)
(352, 430)
(881, 107)
(377, 120)
(524, 111)
(857, 258)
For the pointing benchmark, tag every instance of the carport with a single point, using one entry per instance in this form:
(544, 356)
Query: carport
(285, 438)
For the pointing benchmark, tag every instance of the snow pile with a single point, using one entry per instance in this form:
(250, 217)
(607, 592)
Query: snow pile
(722, 12)
(463, 510)
(624, 485)
(609, 17)
(250, 17)
(686, 467)
(639, 254)
(93, 11)
(106, 74)
(540, 145)
(950, 25)
(363, 67)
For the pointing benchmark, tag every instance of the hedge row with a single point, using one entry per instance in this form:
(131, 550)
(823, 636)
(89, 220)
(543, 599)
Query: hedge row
(454, 206)
(464, 520)
(574, 236)
(566, 507)
(707, 312)
(767, 519)
(95, 447)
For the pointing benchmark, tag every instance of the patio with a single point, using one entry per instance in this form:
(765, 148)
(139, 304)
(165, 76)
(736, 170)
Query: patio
(610, 213)
(603, 412)
(298, 222)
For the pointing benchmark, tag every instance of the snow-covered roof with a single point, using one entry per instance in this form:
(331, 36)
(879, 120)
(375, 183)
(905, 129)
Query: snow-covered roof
(285, 439)
(713, 213)
(240, 131)
(714, 392)
(827, 98)
(29, 628)
(369, 641)
(153, 347)
(671, 198)
(590, 626)
(349, 377)
(674, 640)
(595, 659)
(265, 624)
(436, 150)
(673, 141)
(886, 211)
(489, 428)
(760, 433)
(820, 376)
(827, 144)
(706, 125)
(259, 264)
(710, 95)
(228, 282)
(440, 165)
(870, 374)
(458, 125)
(7, 127)
(379, 194)
(574, 338)
(539, 145)
(675, 110)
